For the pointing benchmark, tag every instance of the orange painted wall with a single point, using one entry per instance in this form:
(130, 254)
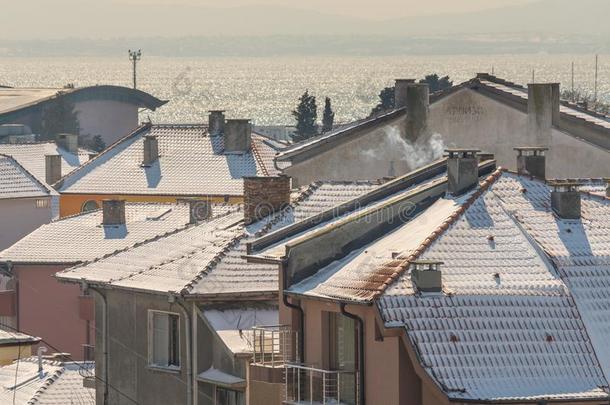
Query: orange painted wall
(71, 204)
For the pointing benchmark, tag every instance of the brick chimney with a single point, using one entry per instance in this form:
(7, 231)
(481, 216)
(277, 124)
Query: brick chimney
(400, 92)
(427, 275)
(462, 170)
(265, 195)
(216, 122)
(52, 168)
(542, 111)
(531, 161)
(67, 142)
(113, 212)
(199, 210)
(418, 102)
(238, 136)
(150, 152)
(565, 198)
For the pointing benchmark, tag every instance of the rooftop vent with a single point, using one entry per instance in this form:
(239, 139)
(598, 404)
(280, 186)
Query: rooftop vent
(216, 122)
(265, 195)
(531, 161)
(68, 142)
(113, 212)
(150, 151)
(199, 210)
(427, 275)
(400, 92)
(462, 170)
(565, 198)
(238, 136)
(52, 168)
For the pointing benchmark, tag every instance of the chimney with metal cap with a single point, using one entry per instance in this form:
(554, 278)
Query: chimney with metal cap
(265, 195)
(462, 170)
(52, 168)
(531, 161)
(238, 136)
(427, 275)
(400, 92)
(565, 198)
(542, 111)
(68, 142)
(418, 103)
(150, 152)
(216, 122)
(113, 212)
(199, 210)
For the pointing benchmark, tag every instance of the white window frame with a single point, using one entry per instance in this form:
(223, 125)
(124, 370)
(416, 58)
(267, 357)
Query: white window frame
(151, 363)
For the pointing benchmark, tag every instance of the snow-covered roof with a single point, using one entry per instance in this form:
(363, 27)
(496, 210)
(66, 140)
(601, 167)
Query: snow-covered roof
(82, 237)
(8, 337)
(17, 182)
(32, 157)
(60, 383)
(217, 377)
(190, 163)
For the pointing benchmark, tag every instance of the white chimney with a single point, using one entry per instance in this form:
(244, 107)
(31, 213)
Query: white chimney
(427, 275)
(531, 161)
(216, 122)
(150, 150)
(67, 142)
(565, 198)
(418, 103)
(400, 92)
(113, 212)
(462, 170)
(52, 168)
(542, 111)
(237, 136)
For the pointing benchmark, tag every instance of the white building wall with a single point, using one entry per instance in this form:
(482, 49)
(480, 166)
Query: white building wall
(19, 217)
(110, 119)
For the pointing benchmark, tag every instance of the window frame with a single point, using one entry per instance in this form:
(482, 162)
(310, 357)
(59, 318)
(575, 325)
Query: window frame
(151, 344)
(82, 207)
(240, 396)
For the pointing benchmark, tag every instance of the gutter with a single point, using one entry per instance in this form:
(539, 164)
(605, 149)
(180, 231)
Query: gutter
(361, 364)
(105, 334)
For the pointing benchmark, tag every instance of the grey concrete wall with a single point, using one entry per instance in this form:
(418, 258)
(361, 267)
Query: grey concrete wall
(19, 217)
(110, 119)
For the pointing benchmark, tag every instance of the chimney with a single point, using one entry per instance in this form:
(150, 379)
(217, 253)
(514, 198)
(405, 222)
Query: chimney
(531, 161)
(608, 187)
(216, 122)
(565, 198)
(113, 212)
(542, 111)
(52, 168)
(427, 275)
(462, 170)
(238, 136)
(265, 195)
(68, 142)
(199, 210)
(151, 150)
(400, 92)
(418, 100)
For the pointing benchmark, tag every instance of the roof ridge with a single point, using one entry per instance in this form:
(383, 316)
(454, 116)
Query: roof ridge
(259, 159)
(452, 219)
(48, 382)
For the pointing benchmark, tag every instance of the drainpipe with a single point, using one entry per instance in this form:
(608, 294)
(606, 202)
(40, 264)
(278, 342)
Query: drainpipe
(187, 325)
(361, 366)
(301, 316)
(194, 355)
(105, 337)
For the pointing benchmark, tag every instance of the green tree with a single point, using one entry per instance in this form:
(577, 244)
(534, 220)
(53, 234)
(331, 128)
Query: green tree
(436, 84)
(386, 101)
(58, 116)
(329, 116)
(305, 114)
(93, 143)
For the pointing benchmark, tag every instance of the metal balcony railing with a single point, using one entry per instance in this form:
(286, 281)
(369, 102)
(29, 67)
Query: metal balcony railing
(310, 385)
(274, 345)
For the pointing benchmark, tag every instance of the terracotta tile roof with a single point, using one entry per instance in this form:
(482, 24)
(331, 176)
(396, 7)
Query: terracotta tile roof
(191, 163)
(17, 182)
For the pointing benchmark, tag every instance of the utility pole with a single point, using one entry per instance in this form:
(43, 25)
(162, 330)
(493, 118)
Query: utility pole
(596, 69)
(573, 95)
(533, 76)
(135, 56)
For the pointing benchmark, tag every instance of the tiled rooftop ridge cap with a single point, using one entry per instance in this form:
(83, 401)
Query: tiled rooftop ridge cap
(259, 159)
(452, 219)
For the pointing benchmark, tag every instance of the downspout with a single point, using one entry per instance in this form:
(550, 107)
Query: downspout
(195, 355)
(301, 315)
(187, 326)
(105, 337)
(361, 366)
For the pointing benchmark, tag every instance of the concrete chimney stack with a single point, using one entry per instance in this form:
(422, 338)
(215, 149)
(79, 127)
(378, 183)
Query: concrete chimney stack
(462, 170)
(199, 210)
(542, 111)
(52, 168)
(237, 136)
(418, 102)
(67, 142)
(565, 199)
(216, 122)
(531, 161)
(113, 212)
(150, 152)
(427, 275)
(400, 92)
(265, 195)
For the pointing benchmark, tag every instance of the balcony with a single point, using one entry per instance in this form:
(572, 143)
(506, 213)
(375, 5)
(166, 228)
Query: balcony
(274, 346)
(310, 385)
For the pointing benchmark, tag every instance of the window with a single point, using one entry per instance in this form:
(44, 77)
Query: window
(229, 397)
(164, 339)
(42, 203)
(90, 205)
(343, 343)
